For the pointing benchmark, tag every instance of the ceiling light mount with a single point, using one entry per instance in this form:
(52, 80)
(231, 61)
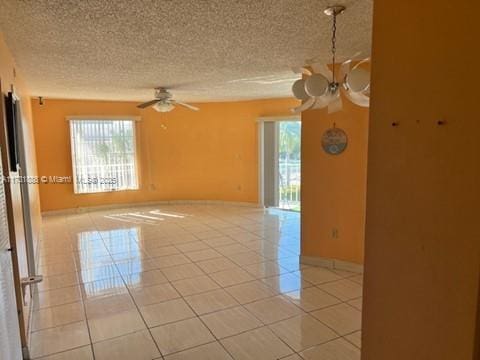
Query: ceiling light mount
(334, 10)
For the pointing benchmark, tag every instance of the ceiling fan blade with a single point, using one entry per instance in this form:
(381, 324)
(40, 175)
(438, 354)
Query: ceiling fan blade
(305, 106)
(147, 104)
(188, 106)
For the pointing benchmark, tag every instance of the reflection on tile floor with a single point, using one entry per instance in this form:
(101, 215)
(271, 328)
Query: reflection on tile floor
(188, 282)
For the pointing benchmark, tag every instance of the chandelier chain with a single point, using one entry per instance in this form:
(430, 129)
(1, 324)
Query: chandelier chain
(334, 44)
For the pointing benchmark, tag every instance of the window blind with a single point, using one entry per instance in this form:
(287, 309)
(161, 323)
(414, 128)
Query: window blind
(103, 155)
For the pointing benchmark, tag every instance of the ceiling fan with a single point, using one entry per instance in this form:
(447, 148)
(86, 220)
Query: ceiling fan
(320, 87)
(164, 103)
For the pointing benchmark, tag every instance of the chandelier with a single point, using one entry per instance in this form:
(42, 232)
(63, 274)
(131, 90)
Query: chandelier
(321, 85)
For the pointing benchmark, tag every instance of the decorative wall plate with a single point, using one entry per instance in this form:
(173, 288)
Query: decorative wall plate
(334, 141)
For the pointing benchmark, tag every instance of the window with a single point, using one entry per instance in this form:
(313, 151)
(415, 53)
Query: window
(103, 155)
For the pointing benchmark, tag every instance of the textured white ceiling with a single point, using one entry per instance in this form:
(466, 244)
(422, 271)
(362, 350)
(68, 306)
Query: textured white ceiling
(203, 50)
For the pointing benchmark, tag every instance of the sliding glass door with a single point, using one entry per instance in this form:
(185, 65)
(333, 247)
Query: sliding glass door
(289, 144)
(280, 163)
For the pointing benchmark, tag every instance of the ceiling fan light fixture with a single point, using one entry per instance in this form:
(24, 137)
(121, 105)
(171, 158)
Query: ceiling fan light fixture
(163, 102)
(163, 107)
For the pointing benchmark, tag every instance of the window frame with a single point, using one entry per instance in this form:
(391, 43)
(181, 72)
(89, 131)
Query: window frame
(133, 119)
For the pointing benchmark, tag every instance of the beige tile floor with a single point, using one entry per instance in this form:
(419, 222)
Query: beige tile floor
(188, 282)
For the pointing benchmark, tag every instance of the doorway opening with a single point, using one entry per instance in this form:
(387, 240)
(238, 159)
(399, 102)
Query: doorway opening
(289, 141)
(280, 163)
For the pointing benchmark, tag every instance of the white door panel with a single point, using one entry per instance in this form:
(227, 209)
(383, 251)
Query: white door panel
(10, 344)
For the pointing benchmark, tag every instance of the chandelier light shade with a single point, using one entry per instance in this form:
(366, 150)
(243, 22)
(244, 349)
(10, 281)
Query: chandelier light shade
(299, 90)
(358, 79)
(316, 85)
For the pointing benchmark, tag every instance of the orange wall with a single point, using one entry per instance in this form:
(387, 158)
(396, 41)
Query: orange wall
(334, 187)
(422, 253)
(205, 155)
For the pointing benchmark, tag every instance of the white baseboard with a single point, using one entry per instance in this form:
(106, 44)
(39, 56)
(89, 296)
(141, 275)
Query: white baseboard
(87, 209)
(331, 263)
